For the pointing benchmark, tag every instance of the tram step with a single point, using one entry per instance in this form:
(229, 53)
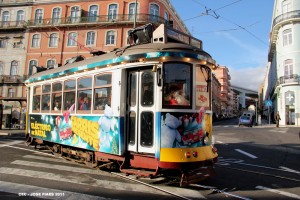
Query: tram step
(142, 161)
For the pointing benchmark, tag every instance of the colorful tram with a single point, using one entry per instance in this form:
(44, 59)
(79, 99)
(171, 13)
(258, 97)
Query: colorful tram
(145, 108)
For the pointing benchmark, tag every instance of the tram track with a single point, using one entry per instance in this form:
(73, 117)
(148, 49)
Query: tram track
(223, 165)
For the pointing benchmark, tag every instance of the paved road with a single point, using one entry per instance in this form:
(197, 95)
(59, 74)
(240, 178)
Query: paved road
(27, 173)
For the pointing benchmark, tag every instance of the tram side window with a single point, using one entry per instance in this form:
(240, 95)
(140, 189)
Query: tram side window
(36, 101)
(177, 85)
(56, 96)
(202, 96)
(84, 93)
(46, 97)
(102, 91)
(69, 95)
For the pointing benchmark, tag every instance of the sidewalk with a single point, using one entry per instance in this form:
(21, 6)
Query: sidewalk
(12, 132)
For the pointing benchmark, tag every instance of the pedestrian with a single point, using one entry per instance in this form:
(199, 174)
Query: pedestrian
(277, 118)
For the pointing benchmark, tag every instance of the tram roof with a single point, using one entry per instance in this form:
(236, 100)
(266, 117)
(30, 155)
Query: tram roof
(127, 54)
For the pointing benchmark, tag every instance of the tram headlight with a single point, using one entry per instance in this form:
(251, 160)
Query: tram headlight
(205, 140)
(187, 154)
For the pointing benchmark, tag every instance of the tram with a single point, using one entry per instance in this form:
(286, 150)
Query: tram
(145, 109)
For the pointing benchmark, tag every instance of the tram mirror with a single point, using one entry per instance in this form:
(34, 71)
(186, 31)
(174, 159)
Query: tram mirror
(158, 76)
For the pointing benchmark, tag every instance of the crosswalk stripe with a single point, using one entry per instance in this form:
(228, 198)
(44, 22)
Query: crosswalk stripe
(57, 167)
(44, 193)
(54, 159)
(78, 180)
(10, 143)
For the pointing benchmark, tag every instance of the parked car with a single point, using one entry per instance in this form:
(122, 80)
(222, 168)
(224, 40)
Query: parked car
(245, 120)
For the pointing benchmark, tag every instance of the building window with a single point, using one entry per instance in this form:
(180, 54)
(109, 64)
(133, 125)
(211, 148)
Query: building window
(132, 11)
(93, 13)
(5, 18)
(50, 64)
(11, 92)
(154, 12)
(35, 43)
(53, 40)
(56, 14)
(2, 43)
(32, 63)
(112, 12)
(75, 14)
(110, 38)
(288, 68)
(20, 17)
(72, 38)
(166, 17)
(287, 37)
(14, 68)
(286, 6)
(90, 38)
(1, 68)
(38, 18)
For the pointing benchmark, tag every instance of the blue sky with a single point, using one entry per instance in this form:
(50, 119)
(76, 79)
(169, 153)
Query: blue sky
(234, 32)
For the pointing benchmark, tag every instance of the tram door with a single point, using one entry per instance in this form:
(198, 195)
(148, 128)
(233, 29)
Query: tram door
(140, 113)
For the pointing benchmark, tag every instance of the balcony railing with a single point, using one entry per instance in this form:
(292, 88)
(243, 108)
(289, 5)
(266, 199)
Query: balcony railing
(12, 24)
(291, 79)
(286, 16)
(145, 18)
(12, 79)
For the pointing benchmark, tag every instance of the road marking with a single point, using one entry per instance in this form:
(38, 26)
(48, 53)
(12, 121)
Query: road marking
(53, 159)
(44, 193)
(279, 192)
(10, 143)
(289, 170)
(57, 167)
(38, 152)
(114, 185)
(245, 153)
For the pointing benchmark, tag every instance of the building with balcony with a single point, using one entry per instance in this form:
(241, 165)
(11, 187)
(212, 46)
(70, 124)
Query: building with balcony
(61, 30)
(42, 34)
(13, 50)
(216, 97)
(222, 74)
(282, 83)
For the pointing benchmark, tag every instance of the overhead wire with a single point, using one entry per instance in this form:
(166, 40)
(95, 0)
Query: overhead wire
(212, 12)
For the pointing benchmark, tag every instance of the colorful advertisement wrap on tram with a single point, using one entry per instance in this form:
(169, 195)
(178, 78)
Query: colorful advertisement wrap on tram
(96, 133)
(180, 133)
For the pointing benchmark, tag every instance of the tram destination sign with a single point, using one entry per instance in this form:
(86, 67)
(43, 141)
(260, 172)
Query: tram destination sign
(184, 38)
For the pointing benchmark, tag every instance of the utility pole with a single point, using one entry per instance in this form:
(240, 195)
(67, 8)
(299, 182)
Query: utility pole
(135, 14)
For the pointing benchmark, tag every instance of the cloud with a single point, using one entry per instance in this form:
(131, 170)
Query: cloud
(248, 78)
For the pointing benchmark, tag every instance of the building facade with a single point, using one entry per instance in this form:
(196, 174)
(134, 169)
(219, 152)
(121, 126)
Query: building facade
(283, 83)
(13, 48)
(42, 34)
(222, 74)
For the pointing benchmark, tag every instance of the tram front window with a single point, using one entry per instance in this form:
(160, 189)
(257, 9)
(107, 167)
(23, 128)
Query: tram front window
(177, 85)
